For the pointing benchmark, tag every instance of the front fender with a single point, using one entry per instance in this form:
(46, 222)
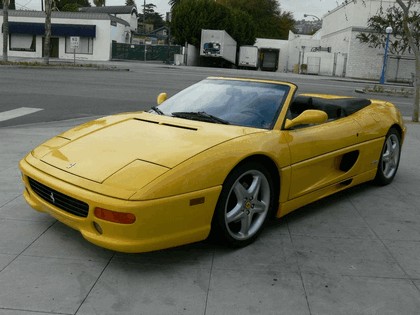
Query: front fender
(211, 167)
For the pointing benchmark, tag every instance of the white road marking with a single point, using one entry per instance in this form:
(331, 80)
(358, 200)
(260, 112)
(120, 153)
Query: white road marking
(14, 113)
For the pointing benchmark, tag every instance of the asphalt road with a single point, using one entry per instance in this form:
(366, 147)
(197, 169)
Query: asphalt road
(61, 94)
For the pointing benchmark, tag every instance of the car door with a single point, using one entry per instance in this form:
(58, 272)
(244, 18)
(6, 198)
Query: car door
(321, 155)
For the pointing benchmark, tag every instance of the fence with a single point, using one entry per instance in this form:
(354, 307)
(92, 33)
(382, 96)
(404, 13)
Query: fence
(137, 52)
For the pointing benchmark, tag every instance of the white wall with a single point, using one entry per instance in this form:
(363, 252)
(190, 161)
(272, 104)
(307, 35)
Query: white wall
(340, 28)
(129, 18)
(401, 72)
(105, 33)
(298, 48)
(101, 43)
(352, 14)
(283, 45)
(193, 54)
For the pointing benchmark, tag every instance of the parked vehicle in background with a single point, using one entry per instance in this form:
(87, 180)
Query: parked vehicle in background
(248, 57)
(219, 45)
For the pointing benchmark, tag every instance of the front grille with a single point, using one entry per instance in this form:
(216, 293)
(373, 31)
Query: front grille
(60, 200)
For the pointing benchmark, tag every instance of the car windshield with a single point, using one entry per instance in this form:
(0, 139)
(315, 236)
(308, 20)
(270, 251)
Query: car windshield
(242, 103)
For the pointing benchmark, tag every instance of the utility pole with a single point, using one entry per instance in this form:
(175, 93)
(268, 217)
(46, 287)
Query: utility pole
(5, 29)
(47, 31)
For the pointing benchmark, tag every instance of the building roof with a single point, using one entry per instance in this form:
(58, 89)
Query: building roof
(118, 20)
(118, 9)
(160, 29)
(67, 15)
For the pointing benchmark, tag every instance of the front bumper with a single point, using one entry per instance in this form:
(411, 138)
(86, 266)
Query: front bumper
(160, 223)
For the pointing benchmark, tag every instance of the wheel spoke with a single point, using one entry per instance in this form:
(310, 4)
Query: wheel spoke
(259, 206)
(255, 187)
(245, 225)
(389, 144)
(240, 191)
(235, 214)
(386, 156)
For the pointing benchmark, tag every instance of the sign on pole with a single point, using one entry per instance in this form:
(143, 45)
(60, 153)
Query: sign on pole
(74, 43)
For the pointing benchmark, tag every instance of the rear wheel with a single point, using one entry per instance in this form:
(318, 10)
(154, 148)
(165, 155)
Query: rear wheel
(390, 158)
(244, 204)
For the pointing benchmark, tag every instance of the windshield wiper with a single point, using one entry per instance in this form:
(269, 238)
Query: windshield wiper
(157, 110)
(201, 116)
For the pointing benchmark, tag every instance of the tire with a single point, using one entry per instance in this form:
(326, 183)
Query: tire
(245, 203)
(389, 159)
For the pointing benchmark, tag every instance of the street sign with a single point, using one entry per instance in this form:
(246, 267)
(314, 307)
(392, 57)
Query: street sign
(74, 42)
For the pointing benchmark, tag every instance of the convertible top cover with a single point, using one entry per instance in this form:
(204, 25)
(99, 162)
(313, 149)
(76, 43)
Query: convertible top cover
(335, 108)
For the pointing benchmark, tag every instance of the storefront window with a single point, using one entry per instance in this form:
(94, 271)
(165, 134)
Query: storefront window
(22, 42)
(85, 46)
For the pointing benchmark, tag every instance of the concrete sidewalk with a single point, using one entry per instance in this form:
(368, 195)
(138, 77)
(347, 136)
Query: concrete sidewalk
(357, 252)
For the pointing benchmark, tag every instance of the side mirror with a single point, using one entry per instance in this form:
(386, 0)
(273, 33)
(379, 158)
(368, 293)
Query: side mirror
(161, 98)
(310, 116)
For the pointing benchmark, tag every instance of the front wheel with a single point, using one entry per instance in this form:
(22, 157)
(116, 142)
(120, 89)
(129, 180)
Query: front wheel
(390, 158)
(244, 204)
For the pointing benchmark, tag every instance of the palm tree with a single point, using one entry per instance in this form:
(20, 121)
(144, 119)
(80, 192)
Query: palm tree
(47, 31)
(5, 28)
(174, 3)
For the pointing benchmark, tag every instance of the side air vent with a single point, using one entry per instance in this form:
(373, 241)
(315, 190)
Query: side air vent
(348, 160)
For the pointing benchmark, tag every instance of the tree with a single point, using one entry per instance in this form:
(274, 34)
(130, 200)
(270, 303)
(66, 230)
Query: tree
(405, 23)
(153, 17)
(411, 29)
(5, 29)
(268, 18)
(189, 17)
(71, 5)
(99, 3)
(174, 3)
(11, 5)
(47, 31)
(376, 37)
(242, 28)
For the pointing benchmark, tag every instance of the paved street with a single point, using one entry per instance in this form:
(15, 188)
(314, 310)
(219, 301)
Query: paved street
(65, 94)
(356, 252)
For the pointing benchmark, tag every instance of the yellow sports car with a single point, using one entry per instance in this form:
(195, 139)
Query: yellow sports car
(221, 156)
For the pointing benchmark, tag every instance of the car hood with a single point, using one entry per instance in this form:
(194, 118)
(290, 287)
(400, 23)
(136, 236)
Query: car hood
(99, 150)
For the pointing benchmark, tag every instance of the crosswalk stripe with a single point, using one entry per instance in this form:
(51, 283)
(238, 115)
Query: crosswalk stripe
(14, 113)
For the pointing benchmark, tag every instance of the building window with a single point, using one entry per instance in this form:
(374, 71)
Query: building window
(85, 46)
(22, 42)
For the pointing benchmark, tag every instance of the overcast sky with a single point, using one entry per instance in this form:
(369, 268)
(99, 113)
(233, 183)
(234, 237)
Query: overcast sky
(297, 7)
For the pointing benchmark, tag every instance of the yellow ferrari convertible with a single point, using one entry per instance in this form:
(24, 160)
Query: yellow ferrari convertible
(220, 157)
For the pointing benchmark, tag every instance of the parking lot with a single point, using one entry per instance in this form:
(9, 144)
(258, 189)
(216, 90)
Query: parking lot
(356, 252)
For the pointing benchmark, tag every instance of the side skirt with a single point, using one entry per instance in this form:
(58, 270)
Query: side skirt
(290, 205)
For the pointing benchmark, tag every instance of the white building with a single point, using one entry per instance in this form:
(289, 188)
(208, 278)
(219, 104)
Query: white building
(336, 51)
(96, 32)
(127, 13)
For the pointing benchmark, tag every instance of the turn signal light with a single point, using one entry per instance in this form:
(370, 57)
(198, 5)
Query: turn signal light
(113, 216)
